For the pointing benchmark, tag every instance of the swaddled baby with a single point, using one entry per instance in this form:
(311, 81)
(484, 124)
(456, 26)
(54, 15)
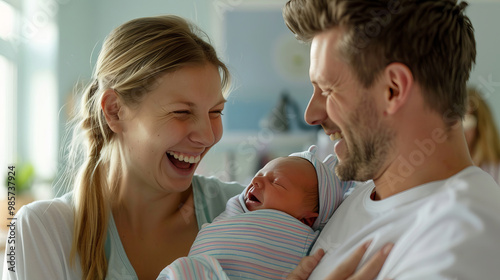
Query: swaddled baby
(267, 229)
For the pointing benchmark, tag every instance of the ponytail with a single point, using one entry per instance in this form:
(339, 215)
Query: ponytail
(91, 211)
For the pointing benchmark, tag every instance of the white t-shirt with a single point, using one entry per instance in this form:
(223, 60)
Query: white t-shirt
(493, 169)
(446, 229)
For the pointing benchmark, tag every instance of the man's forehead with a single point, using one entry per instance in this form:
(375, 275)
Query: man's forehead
(324, 48)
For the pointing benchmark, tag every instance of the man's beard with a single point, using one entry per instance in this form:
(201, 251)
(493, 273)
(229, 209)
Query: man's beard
(368, 147)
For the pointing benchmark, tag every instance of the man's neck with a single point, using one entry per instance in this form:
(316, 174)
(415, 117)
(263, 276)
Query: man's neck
(434, 154)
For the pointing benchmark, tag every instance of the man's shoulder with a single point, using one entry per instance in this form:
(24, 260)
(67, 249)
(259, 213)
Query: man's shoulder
(471, 189)
(472, 185)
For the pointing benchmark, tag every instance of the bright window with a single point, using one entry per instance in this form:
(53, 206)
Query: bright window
(8, 124)
(7, 21)
(8, 89)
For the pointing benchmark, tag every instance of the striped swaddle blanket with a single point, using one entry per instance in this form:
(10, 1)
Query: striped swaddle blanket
(262, 244)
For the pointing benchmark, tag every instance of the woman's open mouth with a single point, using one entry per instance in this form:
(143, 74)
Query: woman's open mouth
(183, 161)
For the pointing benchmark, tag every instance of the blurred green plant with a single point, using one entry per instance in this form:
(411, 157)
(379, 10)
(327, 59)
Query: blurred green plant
(25, 172)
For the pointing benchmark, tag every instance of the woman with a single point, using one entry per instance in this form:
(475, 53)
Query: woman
(151, 113)
(482, 135)
(149, 116)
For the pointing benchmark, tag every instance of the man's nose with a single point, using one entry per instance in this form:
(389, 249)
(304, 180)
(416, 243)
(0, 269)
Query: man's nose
(315, 113)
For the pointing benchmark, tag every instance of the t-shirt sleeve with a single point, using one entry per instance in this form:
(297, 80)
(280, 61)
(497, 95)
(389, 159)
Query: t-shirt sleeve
(38, 246)
(211, 196)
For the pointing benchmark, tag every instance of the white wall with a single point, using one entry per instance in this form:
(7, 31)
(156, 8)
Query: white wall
(485, 17)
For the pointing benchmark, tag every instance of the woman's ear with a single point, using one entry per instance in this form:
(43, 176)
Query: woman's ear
(111, 106)
(399, 86)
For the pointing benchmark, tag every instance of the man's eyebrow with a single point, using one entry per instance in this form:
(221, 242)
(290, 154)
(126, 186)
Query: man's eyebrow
(321, 82)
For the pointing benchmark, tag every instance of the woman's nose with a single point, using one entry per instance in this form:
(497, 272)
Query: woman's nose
(203, 132)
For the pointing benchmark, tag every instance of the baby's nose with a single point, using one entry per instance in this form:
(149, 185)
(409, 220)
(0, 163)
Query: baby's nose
(257, 182)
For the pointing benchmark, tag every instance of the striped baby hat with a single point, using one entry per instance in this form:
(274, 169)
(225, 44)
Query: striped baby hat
(331, 189)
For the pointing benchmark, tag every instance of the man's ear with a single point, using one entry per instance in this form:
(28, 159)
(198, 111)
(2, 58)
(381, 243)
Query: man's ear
(111, 106)
(399, 85)
(309, 218)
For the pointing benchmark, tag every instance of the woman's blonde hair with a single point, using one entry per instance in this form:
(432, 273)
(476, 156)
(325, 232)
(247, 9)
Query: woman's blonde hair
(486, 145)
(133, 56)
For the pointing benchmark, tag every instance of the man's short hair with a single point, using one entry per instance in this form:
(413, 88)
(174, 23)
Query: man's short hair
(433, 38)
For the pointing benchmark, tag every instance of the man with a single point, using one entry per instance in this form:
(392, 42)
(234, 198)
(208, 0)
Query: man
(390, 78)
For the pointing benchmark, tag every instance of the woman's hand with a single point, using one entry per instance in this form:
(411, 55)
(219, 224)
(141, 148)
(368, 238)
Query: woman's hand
(347, 269)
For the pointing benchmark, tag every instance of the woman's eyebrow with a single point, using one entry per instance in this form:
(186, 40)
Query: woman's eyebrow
(192, 104)
(222, 101)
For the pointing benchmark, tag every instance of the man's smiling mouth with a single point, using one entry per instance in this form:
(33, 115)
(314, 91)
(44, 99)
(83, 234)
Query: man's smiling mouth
(336, 136)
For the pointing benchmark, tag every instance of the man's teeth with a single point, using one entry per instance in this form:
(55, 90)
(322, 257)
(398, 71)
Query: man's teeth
(336, 136)
(186, 158)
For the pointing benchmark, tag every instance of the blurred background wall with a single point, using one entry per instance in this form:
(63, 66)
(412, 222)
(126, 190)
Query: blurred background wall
(49, 46)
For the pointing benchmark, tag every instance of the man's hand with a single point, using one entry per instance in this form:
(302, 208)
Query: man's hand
(347, 269)
(306, 266)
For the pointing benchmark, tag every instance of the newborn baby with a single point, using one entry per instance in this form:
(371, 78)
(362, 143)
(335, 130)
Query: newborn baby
(267, 229)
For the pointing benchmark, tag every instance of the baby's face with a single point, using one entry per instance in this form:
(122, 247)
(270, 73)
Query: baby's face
(282, 185)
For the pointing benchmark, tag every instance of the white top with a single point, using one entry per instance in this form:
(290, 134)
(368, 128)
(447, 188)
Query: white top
(446, 229)
(44, 231)
(493, 169)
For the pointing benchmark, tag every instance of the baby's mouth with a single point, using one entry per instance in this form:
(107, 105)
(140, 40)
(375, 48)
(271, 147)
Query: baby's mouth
(253, 198)
(252, 202)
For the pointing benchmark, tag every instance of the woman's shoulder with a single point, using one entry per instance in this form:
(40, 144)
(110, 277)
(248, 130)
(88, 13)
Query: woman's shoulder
(56, 211)
(210, 197)
(213, 187)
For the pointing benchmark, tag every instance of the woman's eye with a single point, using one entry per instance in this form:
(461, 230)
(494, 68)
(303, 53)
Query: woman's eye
(182, 112)
(216, 113)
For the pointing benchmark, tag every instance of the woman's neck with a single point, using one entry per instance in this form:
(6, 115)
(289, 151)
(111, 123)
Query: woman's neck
(143, 209)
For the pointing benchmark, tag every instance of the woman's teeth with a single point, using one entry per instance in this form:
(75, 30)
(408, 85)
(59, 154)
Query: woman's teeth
(185, 158)
(336, 136)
